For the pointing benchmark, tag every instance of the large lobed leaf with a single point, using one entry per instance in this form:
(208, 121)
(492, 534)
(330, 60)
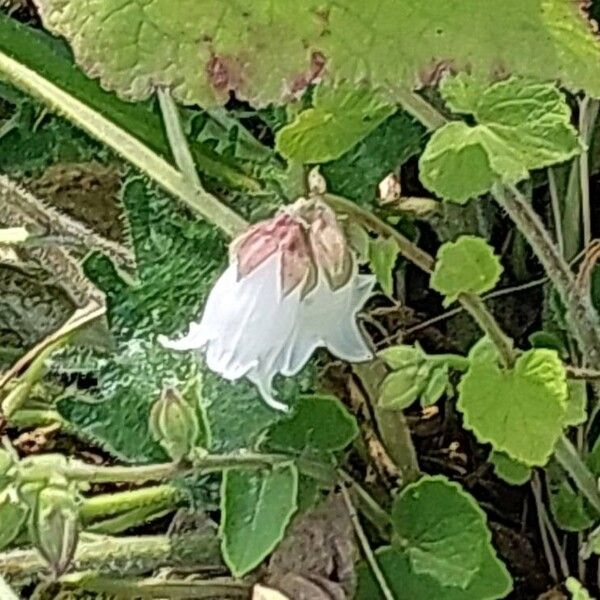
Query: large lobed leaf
(521, 125)
(267, 51)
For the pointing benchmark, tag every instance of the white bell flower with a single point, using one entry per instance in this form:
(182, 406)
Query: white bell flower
(292, 286)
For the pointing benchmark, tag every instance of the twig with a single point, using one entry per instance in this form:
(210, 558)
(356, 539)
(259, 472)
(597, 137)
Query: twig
(491, 296)
(582, 373)
(364, 544)
(539, 503)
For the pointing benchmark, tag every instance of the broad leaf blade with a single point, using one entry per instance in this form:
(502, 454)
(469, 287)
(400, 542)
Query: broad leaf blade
(203, 49)
(256, 507)
(442, 530)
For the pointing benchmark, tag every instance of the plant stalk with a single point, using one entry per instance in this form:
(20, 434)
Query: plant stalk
(129, 147)
(581, 313)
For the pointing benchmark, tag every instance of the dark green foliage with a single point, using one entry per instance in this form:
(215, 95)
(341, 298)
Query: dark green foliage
(32, 139)
(357, 173)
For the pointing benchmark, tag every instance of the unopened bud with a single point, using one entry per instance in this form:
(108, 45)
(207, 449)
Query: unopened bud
(13, 513)
(54, 526)
(174, 424)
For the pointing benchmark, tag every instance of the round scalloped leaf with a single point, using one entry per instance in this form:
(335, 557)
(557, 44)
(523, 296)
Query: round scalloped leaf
(492, 581)
(442, 530)
(269, 51)
(467, 265)
(519, 411)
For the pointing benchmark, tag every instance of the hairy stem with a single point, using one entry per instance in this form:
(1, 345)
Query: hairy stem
(581, 313)
(158, 588)
(475, 306)
(116, 512)
(130, 148)
(566, 454)
(79, 471)
(120, 555)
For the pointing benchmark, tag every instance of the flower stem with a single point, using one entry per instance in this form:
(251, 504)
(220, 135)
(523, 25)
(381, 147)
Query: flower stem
(472, 303)
(79, 471)
(157, 588)
(581, 313)
(129, 147)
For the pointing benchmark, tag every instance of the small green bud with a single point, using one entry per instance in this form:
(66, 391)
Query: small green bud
(54, 525)
(13, 513)
(174, 424)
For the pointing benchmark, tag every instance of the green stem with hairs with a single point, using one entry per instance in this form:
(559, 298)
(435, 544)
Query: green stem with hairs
(157, 588)
(129, 147)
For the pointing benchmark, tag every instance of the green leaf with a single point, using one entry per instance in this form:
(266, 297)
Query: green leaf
(319, 423)
(383, 253)
(570, 510)
(256, 507)
(13, 515)
(264, 52)
(442, 530)
(510, 470)
(339, 119)
(521, 126)
(577, 591)
(467, 265)
(491, 582)
(520, 411)
(55, 139)
(357, 173)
